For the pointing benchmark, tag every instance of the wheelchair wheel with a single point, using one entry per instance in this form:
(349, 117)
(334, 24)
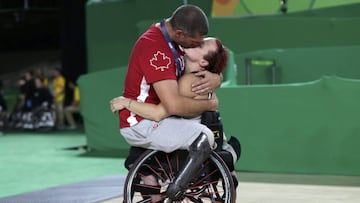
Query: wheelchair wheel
(211, 183)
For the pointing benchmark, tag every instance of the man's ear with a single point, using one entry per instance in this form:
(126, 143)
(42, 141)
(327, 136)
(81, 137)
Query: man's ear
(179, 33)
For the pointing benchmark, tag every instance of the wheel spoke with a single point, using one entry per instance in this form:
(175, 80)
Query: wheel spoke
(212, 183)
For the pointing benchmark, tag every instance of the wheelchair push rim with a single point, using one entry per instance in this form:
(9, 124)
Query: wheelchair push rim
(211, 183)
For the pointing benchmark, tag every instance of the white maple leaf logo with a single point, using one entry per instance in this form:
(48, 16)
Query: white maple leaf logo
(160, 61)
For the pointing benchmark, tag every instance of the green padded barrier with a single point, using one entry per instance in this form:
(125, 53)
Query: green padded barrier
(296, 128)
(101, 126)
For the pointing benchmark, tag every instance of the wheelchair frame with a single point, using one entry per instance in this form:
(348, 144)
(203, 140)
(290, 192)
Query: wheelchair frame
(212, 182)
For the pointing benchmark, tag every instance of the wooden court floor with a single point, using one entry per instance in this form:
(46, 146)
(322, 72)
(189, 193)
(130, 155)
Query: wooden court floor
(280, 188)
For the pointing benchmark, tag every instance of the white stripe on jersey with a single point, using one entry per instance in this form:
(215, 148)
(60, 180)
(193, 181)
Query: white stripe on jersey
(144, 93)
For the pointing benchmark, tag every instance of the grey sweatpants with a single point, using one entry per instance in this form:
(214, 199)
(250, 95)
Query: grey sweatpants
(169, 134)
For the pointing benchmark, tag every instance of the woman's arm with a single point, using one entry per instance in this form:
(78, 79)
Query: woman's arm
(185, 86)
(208, 83)
(145, 110)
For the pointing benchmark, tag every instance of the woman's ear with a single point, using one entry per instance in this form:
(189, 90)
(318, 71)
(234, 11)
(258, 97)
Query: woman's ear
(203, 63)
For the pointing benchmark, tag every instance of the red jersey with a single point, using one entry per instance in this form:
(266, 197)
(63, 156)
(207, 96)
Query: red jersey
(151, 60)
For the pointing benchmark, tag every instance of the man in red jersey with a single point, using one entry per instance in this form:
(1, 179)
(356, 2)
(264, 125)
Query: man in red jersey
(156, 62)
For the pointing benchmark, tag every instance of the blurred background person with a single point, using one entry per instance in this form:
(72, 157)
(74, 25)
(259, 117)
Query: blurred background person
(74, 107)
(27, 90)
(3, 106)
(3, 110)
(40, 73)
(58, 91)
(43, 98)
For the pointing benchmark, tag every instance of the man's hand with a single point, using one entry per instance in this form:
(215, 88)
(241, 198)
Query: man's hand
(208, 83)
(214, 100)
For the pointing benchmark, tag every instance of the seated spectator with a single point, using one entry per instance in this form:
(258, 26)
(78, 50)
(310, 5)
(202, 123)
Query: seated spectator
(24, 101)
(42, 98)
(42, 116)
(3, 106)
(3, 110)
(74, 107)
(27, 89)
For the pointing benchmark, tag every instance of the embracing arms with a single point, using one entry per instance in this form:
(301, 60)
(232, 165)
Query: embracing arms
(179, 102)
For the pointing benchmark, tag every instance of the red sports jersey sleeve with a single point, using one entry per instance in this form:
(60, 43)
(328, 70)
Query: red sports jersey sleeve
(151, 60)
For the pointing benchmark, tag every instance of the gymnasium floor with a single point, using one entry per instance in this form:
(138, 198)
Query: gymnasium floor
(285, 188)
(44, 167)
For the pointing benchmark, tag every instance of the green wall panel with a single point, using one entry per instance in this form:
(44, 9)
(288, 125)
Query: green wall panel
(111, 28)
(301, 64)
(307, 127)
(253, 34)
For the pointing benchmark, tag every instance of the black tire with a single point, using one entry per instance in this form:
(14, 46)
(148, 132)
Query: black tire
(212, 182)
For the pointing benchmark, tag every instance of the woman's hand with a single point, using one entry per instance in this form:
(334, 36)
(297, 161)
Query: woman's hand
(118, 103)
(208, 83)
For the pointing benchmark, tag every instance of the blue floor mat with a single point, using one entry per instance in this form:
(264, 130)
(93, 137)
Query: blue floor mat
(89, 191)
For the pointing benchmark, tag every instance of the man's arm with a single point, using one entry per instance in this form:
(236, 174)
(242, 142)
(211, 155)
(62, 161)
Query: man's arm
(175, 104)
(152, 111)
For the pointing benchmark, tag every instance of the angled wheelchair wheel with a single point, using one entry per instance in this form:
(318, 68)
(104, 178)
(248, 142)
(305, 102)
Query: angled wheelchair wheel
(149, 177)
(44, 120)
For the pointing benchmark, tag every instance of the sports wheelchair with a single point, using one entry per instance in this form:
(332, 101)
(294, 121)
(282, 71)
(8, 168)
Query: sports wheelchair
(41, 119)
(213, 181)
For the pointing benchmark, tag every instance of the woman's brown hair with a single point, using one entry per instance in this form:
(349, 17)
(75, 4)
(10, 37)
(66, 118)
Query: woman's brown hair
(217, 59)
